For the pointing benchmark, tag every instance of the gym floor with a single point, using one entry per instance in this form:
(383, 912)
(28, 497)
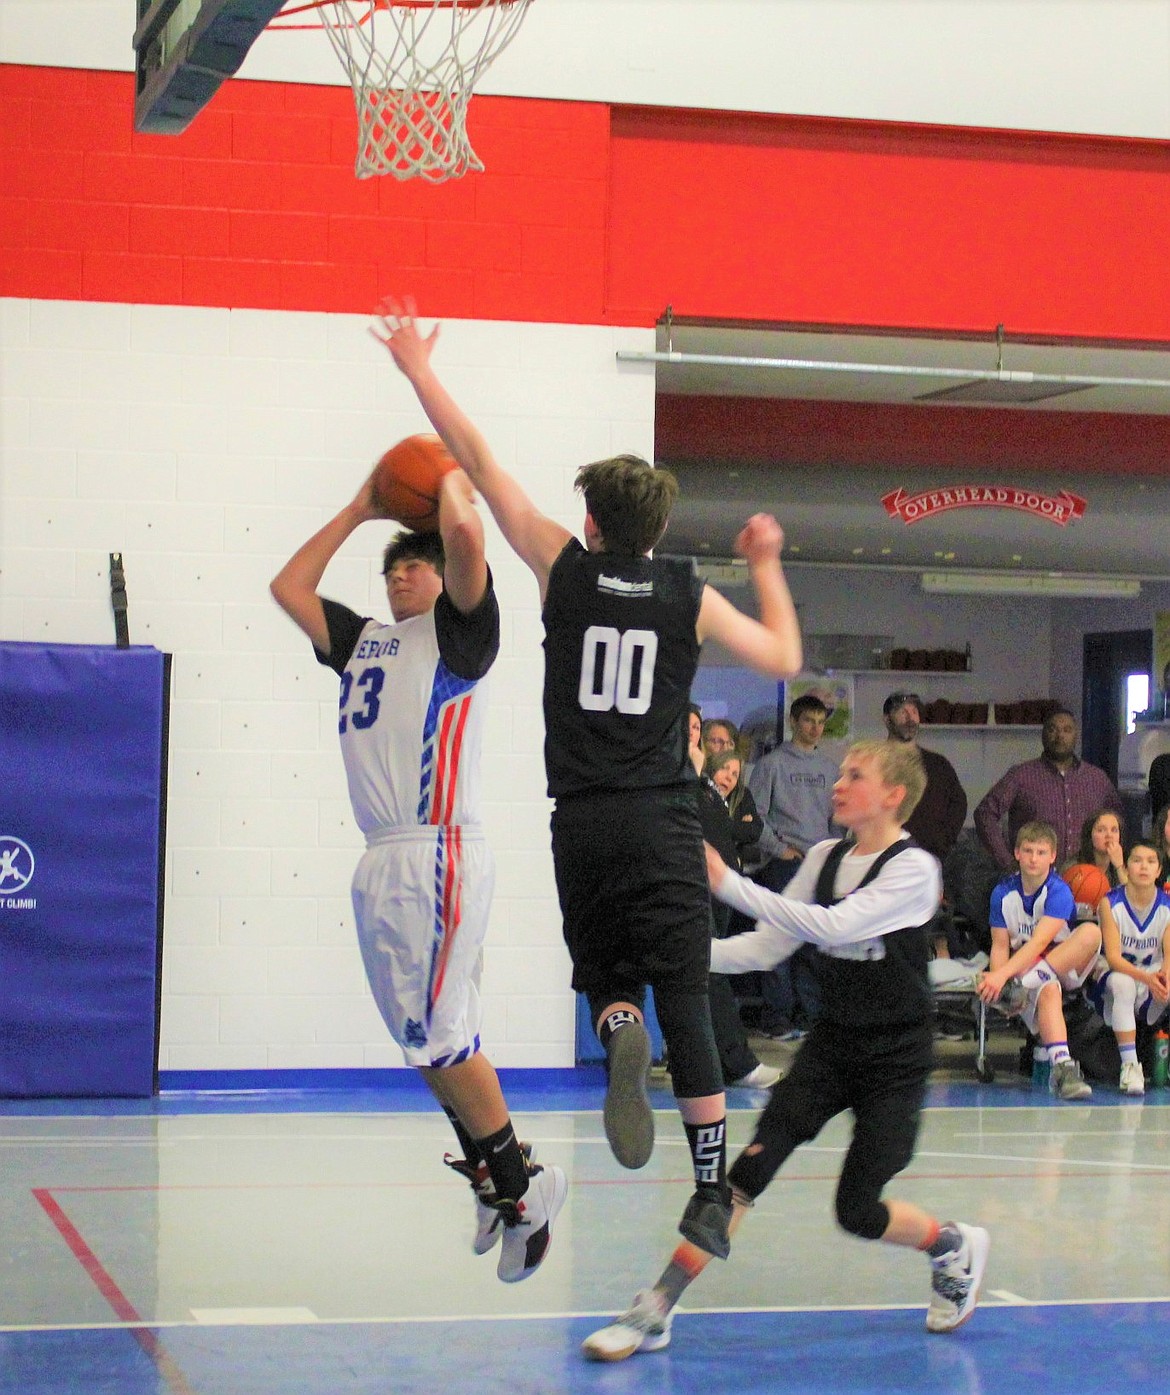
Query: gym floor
(313, 1244)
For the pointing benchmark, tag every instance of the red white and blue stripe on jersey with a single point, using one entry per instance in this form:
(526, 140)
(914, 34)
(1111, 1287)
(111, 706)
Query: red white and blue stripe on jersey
(442, 745)
(442, 748)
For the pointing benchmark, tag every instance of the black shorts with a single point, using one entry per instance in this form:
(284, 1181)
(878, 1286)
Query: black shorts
(632, 882)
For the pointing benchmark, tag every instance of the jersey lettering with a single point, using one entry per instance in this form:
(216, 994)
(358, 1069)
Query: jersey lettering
(626, 660)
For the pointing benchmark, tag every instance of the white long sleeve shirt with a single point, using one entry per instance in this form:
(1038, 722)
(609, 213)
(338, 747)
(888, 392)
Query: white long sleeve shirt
(905, 892)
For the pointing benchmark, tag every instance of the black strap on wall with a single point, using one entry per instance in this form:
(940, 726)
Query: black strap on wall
(118, 600)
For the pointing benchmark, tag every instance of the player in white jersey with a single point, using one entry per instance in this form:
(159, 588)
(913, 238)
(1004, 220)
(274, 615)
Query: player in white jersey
(1035, 955)
(410, 725)
(1132, 977)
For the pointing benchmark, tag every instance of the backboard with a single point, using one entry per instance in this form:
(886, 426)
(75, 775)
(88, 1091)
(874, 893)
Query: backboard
(184, 49)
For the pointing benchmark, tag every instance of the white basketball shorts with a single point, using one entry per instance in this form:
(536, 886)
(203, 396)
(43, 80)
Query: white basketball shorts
(421, 898)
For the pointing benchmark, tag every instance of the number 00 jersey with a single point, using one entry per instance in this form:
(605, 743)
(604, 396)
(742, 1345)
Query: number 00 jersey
(620, 655)
(412, 711)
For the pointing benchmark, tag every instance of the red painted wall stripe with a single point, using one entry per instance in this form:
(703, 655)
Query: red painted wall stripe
(586, 214)
(257, 205)
(863, 223)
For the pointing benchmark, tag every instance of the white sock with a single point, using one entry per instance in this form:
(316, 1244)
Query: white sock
(1128, 1053)
(1058, 1051)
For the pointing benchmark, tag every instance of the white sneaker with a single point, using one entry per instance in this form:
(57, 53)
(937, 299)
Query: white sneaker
(1133, 1082)
(645, 1327)
(955, 1280)
(762, 1078)
(528, 1224)
(489, 1223)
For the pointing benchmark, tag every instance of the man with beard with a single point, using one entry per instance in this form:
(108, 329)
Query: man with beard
(1058, 788)
(938, 820)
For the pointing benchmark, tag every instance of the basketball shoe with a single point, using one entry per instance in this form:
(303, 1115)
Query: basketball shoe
(628, 1118)
(955, 1279)
(1066, 1081)
(1133, 1082)
(528, 1223)
(488, 1223)
(644, 1327)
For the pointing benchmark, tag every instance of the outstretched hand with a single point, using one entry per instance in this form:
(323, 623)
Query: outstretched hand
(395, 328)
(760, 539)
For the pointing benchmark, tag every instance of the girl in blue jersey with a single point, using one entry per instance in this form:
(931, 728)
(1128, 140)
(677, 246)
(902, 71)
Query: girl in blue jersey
(1132, 975)
(1036, 954)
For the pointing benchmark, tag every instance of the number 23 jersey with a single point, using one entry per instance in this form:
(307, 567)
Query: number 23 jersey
(411, 711)
(620, 656)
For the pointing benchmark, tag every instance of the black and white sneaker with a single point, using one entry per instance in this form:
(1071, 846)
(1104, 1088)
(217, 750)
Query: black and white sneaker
(489, 1224)
(955, 1280)
(528, 1224)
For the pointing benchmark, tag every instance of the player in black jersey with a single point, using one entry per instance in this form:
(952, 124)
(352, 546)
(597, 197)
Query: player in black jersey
(622, 638)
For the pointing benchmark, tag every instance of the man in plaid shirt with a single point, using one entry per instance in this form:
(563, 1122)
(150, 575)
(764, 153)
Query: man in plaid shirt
(1058, 789)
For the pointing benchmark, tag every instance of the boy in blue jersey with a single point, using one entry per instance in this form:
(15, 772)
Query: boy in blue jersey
(1036, 955)
(1132, 976)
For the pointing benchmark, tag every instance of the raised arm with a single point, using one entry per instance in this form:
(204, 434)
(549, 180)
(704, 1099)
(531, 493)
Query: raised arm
(294, 587)
(770, 644)
(536, 539)
(465, 573)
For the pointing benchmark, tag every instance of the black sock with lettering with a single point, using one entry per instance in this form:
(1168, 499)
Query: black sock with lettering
(709, 1155)
(471, 1150)
(505, 1162)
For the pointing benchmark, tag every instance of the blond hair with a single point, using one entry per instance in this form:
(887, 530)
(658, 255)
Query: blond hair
(1038, 832)
(898, 763)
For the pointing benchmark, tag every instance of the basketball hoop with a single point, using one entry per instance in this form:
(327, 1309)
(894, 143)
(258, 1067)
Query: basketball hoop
(413, 66)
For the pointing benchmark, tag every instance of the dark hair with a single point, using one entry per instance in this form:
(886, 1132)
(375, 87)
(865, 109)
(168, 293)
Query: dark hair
(407, 547)
(807, 702)
(1057, 712)
(1085, 853)
(1144, 842)
(695, 710)
(629, 500)
(896, 700)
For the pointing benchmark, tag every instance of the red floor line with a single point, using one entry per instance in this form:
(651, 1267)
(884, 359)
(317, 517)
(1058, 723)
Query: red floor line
(126, 1312)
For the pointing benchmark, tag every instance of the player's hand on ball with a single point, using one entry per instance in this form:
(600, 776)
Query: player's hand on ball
(760, 539)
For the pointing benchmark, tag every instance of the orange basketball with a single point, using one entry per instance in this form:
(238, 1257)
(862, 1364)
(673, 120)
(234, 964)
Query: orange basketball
(407, 479)
(1088, 885)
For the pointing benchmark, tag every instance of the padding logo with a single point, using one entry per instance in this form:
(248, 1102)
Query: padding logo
(17, 864)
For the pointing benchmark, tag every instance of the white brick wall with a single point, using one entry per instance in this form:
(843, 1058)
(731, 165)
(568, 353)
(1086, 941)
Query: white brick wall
(205, 446)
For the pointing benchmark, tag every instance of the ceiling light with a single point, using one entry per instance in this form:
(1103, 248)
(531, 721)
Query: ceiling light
(989, 583)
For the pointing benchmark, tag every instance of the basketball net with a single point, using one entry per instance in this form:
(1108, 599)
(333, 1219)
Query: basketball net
(413, 66)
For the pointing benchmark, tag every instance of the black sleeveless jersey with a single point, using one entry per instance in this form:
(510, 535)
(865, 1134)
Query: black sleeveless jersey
(620, 653)
(882, 983)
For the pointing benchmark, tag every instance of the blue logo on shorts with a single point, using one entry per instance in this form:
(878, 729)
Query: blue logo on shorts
(415, 1033)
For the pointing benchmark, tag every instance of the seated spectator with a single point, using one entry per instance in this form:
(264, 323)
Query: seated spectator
(1036, 954)
(1133, 977)
(1101, 846)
